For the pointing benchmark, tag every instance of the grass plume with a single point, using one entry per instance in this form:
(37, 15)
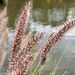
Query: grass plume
(21, 52)
(52, 40)
(3, 34)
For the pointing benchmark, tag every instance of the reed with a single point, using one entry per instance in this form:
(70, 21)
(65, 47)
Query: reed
(66, 72)
(22, 48)
(2, 45)
(19, 32)
(54, 38)
(3, 35)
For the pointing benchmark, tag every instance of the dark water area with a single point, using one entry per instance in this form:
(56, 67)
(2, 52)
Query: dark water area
(47, 15)
(48, 12)
(1, 2)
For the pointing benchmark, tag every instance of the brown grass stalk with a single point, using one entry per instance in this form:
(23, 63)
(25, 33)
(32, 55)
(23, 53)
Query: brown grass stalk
(2, 45)
(52, 40)
(19, 32)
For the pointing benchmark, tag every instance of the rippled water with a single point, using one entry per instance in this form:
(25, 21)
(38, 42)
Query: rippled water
(47, 16)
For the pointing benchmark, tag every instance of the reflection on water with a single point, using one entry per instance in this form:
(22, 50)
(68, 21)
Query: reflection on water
(47, 16)
(54, 16)
(53, 12)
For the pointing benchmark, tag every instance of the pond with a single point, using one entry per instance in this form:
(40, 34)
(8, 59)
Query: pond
(47, 15)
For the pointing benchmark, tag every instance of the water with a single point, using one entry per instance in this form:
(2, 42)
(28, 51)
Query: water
(47, 16)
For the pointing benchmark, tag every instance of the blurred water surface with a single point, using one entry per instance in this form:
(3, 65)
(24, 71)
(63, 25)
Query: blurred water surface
(47, 15)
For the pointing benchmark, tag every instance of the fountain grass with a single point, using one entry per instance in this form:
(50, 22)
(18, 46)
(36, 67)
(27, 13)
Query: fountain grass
(23, 57)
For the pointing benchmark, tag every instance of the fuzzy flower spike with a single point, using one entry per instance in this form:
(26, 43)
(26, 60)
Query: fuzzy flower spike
(54, 38)
(3, 36)
(19, 32)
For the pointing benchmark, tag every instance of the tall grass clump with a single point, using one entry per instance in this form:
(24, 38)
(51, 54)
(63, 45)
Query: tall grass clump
(23, 57)
(3, 34)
